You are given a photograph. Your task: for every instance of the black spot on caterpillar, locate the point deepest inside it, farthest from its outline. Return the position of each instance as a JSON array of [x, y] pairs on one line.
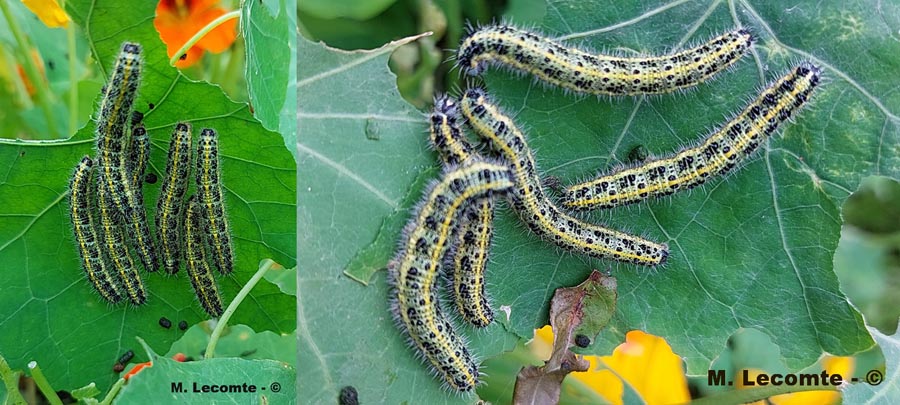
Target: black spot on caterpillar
[[170, 203], [718, 154], [127, 207], [472, 244], [415, 269], [82, 197], [210, 199], [588, 72], [197, 259], [532, 205]]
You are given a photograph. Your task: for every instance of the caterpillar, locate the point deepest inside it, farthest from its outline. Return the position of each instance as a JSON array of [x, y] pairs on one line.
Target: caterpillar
[[533, 207], [81, 194], [138, 156], [210, 199], [116, 253], [198, 263], [417, 265], [170, 203], [115, 110], [718, 154], [585, 71], [473, 241]]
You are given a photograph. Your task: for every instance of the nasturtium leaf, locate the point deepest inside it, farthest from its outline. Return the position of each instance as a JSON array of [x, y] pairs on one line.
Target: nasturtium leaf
[[218, 380], [753, 250], [48, 311], [879, 386], [269, 29], [237, 341]]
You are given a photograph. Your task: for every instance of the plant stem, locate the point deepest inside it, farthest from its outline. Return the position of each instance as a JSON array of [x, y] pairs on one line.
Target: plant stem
[[229, 81], [73, 80], [43, 384], [42, 93], [223, 320], [202, 33], [113, 392]]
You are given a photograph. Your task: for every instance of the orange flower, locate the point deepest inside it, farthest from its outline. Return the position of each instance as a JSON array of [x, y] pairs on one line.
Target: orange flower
[[29, 86], [178, 20]]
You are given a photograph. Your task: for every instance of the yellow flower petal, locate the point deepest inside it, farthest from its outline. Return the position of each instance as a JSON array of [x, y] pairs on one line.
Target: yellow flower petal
[[833, 365], [645, 361], [648, 364], [49, 11]]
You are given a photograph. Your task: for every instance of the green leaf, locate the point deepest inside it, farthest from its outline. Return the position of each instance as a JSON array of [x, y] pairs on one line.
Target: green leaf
[[751, 251], [88, 391], [169, 381], [9, 391], [285, 279], [48, 312], [351, 182], [881, 386], [355, 9], [238, 341], [268, 30]]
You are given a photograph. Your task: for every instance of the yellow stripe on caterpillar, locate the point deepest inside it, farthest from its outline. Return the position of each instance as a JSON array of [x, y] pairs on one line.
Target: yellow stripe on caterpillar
[[471, 246], [126, 203], [170, 203], [416, 268], [116, 254], [82, 192], [534, 208], [588, 72], [211, 200], [718, 154], [197, 260]]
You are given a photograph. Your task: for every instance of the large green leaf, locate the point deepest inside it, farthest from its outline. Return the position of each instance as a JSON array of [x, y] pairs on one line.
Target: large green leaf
[[213, 381], [48, 312], [269, 29], [880, 386], [751, 251]]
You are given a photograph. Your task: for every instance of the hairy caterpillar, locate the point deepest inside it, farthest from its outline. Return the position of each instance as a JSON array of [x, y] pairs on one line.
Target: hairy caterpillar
[[716, 155], [416, 267], [114, 176], [587, 72], [473, 241], [138, 153], [81, 195], [139, 156], [535, 209], [209, 189], [170, 203], [198, 263], [116, 253]]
